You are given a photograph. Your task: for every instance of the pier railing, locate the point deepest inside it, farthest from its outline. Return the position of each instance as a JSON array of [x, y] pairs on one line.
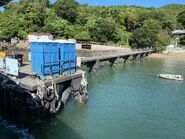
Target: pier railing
[[59, 67]]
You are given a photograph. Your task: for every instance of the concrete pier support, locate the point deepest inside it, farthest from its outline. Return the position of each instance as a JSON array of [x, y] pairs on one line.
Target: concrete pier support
[[112, 61], [126, 58], [147, 53], [93, 66], [131, 57], [138, 57], [144, 54]]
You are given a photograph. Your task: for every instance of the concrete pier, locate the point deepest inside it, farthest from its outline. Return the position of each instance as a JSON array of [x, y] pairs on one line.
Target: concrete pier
[[28, 97], [93, 63]]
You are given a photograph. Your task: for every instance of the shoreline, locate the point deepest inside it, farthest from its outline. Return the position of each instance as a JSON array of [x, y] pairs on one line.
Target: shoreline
[[173, 56]]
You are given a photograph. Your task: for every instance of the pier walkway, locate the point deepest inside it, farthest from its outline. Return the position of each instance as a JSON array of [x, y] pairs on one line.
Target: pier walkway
[[94, 62]]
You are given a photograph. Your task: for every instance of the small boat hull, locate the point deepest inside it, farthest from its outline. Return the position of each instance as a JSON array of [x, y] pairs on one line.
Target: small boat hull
[[171, 77]]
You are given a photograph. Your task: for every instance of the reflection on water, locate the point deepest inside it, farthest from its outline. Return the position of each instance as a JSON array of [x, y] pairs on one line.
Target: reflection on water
[[126, 101]]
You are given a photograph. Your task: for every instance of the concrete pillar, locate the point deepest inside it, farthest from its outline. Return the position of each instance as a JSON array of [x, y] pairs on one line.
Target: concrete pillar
[[112, 61], [138, 56], [126, 58], [93, 66], [78, 62]]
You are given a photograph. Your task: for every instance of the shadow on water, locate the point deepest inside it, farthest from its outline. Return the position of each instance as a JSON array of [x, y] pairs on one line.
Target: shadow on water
[[45, 129], [16, 108], [11, 131], [53, 128]]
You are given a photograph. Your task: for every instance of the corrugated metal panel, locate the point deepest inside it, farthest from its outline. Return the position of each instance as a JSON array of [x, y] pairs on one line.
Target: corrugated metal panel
[[46, 56], [36, 57], [51, 54]]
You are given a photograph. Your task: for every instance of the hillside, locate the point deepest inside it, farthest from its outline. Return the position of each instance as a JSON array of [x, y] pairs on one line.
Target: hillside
[[131, 26], [173, 9]]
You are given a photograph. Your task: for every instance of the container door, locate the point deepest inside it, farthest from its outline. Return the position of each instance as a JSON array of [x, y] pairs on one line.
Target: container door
[[51, 58], [36, 56]]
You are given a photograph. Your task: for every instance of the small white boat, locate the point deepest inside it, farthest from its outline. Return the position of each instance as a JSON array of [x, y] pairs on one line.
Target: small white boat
[[171, 77]]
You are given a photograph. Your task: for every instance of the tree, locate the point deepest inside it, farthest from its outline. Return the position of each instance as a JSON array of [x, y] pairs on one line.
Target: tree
[[124, 25], [91, 23], [22, 34], [83, 15], [182, 41], [181, 18], [83, 36], [67, 9], [169, 22], [131, 22], [151, 15], [146, 36], [44, 3], [163, 39], [9, 28], [70, 31], [121, 36], [103, 30], [56, 27]]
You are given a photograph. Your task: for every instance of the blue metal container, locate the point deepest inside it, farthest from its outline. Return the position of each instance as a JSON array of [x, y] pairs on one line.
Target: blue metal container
[[53, 58], [69, 58]]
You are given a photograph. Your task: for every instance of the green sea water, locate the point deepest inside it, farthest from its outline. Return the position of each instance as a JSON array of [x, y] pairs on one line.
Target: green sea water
[[126, 101]]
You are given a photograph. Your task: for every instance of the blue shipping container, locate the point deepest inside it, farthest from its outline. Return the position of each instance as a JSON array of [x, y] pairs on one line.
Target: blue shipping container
[[53, 57], [69, 58]]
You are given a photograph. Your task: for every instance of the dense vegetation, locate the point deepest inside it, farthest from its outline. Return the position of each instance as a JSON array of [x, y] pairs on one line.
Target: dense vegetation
[[124, 25]]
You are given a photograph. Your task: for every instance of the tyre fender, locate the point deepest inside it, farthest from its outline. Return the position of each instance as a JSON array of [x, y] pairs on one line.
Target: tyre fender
[[56, 105]]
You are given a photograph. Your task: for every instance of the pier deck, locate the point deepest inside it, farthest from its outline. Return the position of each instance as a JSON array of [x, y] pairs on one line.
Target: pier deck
[[108, 57], [30, 83], [94, 62]]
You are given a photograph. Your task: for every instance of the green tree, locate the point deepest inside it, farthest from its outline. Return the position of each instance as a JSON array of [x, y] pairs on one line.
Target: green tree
[[9, 28], [91, 23], [146, 36], [169, 22], [151, 15], [182, 41], [131, 21], [163, 39], [44, 3], [103, 30], [121, 36], [70, 31], [56, 27], [68, 19], [181, 18], [67, 9], [83, 36]]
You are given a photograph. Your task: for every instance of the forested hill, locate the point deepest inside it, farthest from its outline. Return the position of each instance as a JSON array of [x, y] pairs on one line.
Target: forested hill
[[124, 25], [173, 8]]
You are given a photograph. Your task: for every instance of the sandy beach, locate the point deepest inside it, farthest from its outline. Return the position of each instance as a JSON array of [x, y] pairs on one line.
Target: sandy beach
[[174, 56]]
